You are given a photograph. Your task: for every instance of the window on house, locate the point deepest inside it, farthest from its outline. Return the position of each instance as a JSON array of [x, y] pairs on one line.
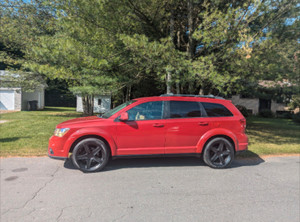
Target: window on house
[[99, 102]]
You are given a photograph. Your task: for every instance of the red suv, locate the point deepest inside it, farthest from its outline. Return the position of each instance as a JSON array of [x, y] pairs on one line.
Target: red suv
[[168, 124]]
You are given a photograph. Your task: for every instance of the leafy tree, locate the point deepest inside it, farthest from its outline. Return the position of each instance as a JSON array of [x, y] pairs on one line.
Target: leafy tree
[[185, 46], [20, 26]]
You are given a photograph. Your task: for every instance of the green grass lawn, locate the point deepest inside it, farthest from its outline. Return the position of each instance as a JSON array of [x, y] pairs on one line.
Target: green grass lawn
[[27, 133], [268, 136]]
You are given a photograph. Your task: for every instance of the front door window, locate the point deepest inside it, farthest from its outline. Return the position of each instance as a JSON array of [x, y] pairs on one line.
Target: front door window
[[146, 111]]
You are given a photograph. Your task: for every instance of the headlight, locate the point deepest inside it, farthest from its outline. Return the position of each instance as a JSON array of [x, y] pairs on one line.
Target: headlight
[[60, 131]]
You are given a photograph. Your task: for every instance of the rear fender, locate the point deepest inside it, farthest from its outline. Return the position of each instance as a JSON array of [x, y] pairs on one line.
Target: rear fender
[[215, 132], [91, 132]]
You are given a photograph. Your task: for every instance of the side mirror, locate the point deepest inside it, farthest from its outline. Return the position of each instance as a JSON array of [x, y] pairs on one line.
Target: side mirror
[[124, 117]]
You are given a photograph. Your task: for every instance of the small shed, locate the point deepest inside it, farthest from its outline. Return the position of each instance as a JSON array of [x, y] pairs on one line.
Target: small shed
[[102, 103], [17, 99]]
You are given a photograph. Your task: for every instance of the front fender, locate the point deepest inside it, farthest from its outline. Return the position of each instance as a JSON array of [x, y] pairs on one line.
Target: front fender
[[91, 131], [215, 132]]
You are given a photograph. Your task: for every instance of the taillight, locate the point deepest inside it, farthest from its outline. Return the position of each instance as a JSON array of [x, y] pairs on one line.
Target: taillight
[[243, 124]]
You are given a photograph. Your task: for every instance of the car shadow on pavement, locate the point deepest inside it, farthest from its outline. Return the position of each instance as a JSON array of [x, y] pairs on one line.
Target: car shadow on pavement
[[240, 161]]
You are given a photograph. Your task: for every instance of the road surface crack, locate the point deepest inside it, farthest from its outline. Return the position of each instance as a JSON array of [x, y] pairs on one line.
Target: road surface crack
[[61, 213], [35, 193], [39, 190]]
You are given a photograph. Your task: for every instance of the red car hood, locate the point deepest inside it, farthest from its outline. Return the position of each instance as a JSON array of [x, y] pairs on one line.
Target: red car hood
[[87, 119]]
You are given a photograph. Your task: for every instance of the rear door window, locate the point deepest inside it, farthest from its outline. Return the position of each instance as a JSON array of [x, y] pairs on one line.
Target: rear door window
[[184, 109], [216, 110]]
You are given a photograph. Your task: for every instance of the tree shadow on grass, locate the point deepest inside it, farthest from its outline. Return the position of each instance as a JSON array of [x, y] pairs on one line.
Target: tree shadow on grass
[[251, 159], [11, 139], [268, 136], [65, 114], [59, 109]]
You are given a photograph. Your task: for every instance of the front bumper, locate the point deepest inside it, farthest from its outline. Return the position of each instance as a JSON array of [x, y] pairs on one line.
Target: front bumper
[[56, 148], [58, 157]]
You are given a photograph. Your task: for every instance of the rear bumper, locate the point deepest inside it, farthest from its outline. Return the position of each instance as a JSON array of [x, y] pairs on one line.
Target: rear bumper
[[242, 142]]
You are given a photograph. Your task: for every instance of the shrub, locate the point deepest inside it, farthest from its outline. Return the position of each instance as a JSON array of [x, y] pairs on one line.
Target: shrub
[[243, 110], [296, 117], [266, 113], [284, 114]]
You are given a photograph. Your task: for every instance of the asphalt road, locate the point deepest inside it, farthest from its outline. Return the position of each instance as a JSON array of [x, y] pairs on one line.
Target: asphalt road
[[171, 189]]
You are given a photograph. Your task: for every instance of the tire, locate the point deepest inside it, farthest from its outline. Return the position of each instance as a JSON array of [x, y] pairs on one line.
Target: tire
[[218, 153], [90, 155]]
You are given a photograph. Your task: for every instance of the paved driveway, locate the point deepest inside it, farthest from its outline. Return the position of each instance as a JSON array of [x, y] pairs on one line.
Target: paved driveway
[[172, 189]]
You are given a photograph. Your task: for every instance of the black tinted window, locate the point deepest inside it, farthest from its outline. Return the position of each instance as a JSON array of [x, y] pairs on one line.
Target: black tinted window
[[146, 111], [214, 109], [184, 109]]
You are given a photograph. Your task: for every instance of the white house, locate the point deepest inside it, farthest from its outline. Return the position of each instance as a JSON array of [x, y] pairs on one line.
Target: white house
[[17, 99], [255, 105], [101, 103]]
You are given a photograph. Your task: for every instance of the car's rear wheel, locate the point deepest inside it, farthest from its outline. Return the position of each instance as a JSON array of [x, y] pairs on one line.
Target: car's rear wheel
[[90, 155], [218, 153]]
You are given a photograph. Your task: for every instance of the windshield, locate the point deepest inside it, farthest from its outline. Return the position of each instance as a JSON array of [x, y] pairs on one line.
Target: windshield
[[116, 109]]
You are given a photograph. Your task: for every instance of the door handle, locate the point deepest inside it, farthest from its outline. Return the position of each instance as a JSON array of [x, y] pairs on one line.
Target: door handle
[[158, 125], [203, 123]]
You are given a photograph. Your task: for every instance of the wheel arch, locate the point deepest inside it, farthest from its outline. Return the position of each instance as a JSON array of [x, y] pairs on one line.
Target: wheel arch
[[89, 136], [223, 136], [80, 135], [216, 133]]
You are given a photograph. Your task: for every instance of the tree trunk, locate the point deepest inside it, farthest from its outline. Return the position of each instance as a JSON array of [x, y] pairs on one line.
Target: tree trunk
[[177, 88], [191, 87], [128, 93], [190, 45], [88, 105], [169, 74], [178, 75], [201, 92], [169, 79]]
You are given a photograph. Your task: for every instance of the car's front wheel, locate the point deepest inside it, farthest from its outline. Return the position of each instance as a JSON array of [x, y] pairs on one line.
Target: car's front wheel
[[218, 153], [90, 155]]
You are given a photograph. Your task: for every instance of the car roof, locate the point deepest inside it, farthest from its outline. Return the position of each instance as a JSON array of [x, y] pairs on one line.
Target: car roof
[[184, 98]]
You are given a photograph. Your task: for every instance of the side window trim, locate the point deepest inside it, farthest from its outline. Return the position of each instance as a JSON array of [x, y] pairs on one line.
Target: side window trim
[[203, 111], [166, 110]]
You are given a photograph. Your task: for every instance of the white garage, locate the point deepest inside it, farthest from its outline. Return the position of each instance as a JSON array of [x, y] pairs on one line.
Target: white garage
[[7, 100], [17, 99]]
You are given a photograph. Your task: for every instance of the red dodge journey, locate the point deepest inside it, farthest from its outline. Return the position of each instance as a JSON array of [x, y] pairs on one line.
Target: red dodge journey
[[205, 126]]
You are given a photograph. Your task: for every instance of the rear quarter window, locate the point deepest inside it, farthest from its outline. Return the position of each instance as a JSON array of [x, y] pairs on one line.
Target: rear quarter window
[[216, 110], [184, 109]]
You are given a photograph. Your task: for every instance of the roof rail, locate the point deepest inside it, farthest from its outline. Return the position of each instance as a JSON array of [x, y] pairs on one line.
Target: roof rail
[[190, 95]]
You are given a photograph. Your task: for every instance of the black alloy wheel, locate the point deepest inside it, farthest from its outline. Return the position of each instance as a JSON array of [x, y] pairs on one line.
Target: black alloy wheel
[[218, 153], [90, 155]]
